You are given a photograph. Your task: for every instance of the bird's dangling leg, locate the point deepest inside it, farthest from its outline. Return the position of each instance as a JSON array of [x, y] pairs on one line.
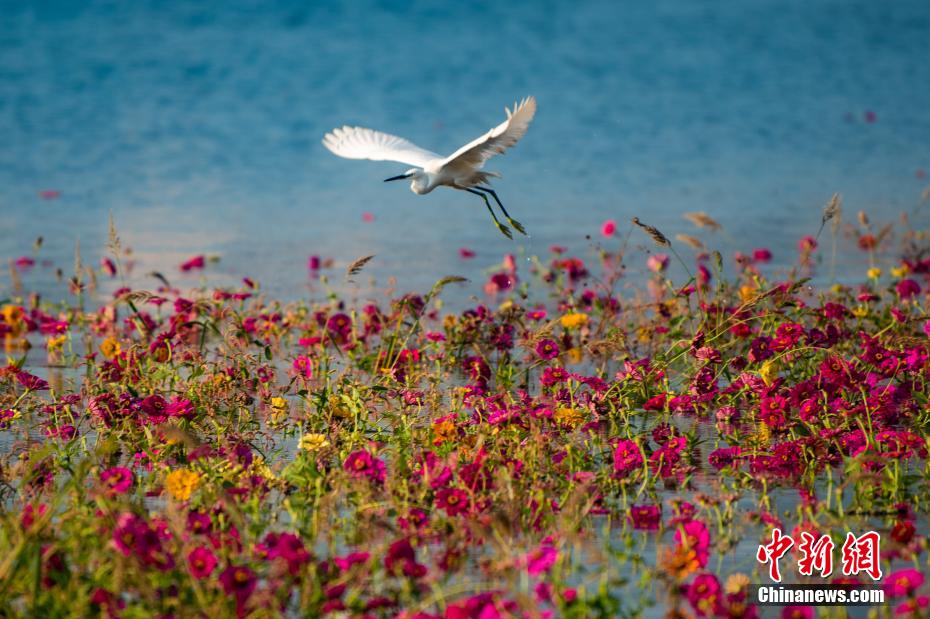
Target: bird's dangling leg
[[504, 229], [513, 222]]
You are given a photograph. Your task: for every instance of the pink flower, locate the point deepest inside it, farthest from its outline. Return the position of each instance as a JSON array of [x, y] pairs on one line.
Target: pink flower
[[202, 562], [313, 263], [368, 217], [541, 560], [657, 262], [608, 228], [465, 253], [761, 255], [117, 480], [807, 244], [903, 582]]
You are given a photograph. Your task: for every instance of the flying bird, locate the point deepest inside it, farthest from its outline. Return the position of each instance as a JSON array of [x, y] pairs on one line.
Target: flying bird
[[461, 170]]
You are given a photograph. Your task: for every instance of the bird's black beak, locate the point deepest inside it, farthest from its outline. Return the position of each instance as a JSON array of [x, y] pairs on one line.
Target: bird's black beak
[[397, 178]]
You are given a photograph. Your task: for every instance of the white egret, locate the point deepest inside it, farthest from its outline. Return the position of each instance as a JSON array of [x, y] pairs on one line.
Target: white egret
[[461, 170]]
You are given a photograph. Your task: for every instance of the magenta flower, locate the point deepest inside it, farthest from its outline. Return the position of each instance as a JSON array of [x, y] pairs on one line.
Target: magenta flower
[[453, 500], [353, 558], [705, 595], [197, 262], [547, 349], [912, 607], [541, 559], [761, 255], [201, 561], [339, 324], [903, 582], [608, 228], [645, 517], [180, 407], [694, 535], [362, 464], [303, 366], [31, 381], [117, 480], [907, 288], [239, 582], [627, 458], [797, 612]]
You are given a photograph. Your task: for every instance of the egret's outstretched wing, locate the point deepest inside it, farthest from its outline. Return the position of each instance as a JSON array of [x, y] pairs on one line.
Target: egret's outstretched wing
[[473, 155], [361, 143]]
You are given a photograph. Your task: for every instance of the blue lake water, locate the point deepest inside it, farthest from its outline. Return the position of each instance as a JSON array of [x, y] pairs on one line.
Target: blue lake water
[[199, 128]]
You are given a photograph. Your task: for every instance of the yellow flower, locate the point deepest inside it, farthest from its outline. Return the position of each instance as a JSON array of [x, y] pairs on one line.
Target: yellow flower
[[736, 583], [900, 271], [181, 483], [875, 273], [449, 321], [13, 317], [220, 378], [279, 408], [341, 409], [768, 372], [860, 311], [573, 320], [313, 442], [12, 314], [506, 305], [110, 347], [567, 416], [574, 355], [443, 431], [763, 435], [56, 342], [747, 293]]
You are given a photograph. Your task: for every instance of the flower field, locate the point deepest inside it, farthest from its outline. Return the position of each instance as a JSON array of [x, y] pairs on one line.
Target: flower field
[[607, 434]]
